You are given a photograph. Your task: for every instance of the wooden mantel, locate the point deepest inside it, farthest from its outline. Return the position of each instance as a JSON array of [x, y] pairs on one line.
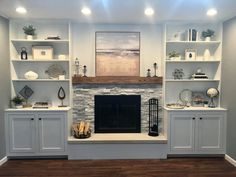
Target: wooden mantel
[[116, 80]]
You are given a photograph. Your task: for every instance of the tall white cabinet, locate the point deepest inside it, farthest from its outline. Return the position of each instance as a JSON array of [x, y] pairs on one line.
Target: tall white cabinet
[[194, 130], [39, 132]]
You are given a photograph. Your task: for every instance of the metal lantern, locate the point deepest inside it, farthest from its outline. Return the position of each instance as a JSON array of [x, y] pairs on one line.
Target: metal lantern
[[153, 117]]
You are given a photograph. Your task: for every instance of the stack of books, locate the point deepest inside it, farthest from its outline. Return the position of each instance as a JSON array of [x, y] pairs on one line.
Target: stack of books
[[192, 35], [199, 76]]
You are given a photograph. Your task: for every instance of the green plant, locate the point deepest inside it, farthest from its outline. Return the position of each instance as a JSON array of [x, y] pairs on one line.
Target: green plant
[[173, 54], [17, 100], [208, 33], [29, 30]]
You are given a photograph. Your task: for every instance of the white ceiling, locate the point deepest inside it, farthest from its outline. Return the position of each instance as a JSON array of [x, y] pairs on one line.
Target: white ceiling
[[120, 11]]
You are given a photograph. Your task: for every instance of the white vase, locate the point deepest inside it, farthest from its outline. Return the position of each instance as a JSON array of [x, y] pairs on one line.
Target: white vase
[[207, 54], [208, 39], [29, 37]]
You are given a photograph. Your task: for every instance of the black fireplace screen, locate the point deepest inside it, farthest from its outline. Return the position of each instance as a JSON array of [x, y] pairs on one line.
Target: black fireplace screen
[[117, 114]]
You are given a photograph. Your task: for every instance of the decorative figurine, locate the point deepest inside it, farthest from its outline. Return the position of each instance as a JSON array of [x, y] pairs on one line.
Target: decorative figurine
[[85, 70], [148, 73], [212, 93], [23, 54], [61, 95], [155, 69], [77, 66]]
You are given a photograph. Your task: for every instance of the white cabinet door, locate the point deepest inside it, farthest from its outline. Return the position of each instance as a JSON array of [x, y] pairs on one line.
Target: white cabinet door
[[210, 133], [21, 129], [51, 132], [182, 132]]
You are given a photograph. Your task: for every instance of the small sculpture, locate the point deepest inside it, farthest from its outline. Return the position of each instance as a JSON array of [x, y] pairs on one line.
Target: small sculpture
[[31, 75], [61, 95], [26, 93], [178, 74], [77, 66]]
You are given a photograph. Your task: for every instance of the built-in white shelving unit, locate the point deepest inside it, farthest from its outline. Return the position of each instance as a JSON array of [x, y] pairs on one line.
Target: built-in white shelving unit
[[177, 39], [45, 88]]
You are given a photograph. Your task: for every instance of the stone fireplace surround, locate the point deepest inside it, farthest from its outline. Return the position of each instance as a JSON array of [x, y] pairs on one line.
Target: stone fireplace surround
[[117, 145], [83, 100]]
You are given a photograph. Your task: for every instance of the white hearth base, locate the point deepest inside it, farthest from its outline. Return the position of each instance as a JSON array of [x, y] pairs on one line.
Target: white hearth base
[[118, 146]]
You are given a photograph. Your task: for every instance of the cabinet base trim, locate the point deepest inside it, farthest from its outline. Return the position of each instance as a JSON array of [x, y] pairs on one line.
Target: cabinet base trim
[[3, 160], [230, 160]]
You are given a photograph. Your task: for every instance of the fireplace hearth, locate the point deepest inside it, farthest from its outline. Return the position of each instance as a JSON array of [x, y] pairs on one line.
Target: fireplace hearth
[[117, 113]]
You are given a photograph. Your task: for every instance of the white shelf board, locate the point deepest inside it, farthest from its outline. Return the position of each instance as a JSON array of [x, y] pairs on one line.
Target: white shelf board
[[40, 40], [193, 61], [193, 42], [196, 109], [40, 60], [191, 80], [40, 109], [40, 80]]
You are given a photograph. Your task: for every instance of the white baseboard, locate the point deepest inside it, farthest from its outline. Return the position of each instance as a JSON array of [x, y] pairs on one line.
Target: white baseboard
[[230, 160], [3, 160]]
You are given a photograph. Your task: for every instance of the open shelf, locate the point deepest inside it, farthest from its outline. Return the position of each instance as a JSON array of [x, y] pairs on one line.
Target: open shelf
[[40, 60], [192, 80], [40, 40], [40, 80], [192, 61], [193, 42]]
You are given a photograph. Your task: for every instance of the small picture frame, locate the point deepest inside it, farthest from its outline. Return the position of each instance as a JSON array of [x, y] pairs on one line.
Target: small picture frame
[[190, 54], [198, 99]]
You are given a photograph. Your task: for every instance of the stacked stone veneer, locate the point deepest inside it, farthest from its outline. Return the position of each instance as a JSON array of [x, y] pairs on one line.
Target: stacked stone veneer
[[83, 100]]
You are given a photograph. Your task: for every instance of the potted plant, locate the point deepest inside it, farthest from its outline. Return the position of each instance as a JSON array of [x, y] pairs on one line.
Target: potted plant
[[208, 34], [29, 31], [174, 55], [17, 100]]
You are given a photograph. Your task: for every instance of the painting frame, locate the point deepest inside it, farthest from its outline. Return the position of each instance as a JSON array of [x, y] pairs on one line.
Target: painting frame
[[117, 53]]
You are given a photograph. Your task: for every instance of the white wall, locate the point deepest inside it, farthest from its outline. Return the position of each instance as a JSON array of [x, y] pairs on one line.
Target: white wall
[[229, 83], [151, 44], [4, 78]]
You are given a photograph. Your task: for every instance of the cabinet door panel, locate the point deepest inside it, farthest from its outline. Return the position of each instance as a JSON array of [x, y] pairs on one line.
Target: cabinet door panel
[[22, 133], [51, 132], [182, 133], [210, 132]]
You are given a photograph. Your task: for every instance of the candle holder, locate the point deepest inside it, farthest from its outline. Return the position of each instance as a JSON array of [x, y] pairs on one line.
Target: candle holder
[[148, 73], [85, 70], [155, 69]]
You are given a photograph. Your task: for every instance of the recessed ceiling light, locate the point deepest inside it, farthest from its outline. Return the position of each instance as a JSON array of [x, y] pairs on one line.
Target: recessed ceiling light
[[212, 12], [86, 11], [21, 10], [149, 11]]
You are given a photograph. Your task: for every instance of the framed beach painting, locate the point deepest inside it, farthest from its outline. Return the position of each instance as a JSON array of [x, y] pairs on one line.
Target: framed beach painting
[[117, 53]]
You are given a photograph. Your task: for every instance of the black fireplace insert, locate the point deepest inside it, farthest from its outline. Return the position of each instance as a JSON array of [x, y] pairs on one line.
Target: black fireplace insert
[[117, 113]]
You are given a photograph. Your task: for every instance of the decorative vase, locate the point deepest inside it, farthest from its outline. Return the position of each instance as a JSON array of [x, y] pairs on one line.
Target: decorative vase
[[207, 54], [29, 37], [208, 39]]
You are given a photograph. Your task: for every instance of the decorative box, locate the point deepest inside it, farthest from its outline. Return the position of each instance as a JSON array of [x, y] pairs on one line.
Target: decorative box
[[42, 52]]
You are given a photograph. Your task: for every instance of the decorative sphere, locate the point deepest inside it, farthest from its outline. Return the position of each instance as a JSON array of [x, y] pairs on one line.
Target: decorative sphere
[[212, 92]]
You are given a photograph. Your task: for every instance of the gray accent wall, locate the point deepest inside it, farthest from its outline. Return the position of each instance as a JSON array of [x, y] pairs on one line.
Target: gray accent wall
[[229, 83], [4, 79]]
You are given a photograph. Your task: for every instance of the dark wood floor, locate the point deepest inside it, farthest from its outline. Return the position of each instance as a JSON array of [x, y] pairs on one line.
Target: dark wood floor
[[172, 167]]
